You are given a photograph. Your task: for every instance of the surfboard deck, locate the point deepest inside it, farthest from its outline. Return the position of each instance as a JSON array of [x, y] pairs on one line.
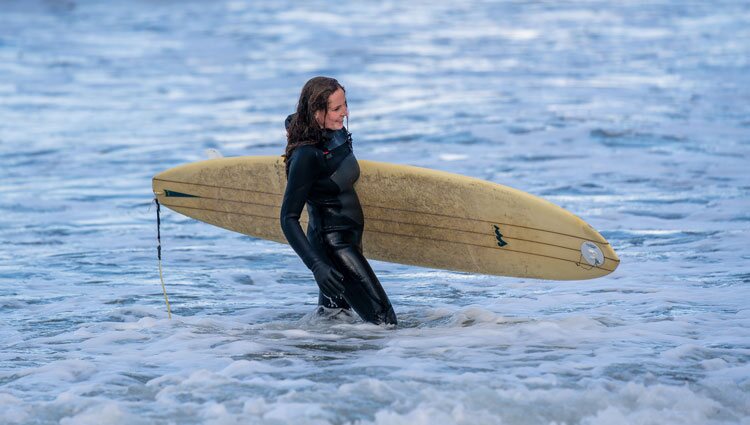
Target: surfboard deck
[[413, 216]]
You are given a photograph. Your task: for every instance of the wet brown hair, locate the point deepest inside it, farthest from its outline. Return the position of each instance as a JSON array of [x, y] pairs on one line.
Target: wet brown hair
[[304, 129]]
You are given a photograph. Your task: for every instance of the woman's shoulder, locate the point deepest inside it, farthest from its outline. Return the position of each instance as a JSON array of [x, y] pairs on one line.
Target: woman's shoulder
[[307, 150], [306, 154]]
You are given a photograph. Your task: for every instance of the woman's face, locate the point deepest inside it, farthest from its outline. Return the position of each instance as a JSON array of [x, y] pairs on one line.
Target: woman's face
[[337, 110]]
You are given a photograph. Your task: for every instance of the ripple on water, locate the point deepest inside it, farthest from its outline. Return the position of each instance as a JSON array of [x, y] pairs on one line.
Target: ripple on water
[[634, 139], [655, 214]]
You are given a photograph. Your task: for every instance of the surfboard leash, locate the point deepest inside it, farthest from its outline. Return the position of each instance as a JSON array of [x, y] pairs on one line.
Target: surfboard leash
[[158, 254]]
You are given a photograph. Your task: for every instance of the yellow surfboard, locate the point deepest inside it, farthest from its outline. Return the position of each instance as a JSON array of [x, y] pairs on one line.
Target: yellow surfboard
[[413, 216]]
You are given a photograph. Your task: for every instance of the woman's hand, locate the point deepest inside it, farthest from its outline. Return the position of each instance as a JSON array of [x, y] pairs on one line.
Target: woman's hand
[[330, 281]]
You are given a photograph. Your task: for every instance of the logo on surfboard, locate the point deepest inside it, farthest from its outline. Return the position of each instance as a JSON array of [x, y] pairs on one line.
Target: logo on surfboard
[[174, 194], [499, 236]]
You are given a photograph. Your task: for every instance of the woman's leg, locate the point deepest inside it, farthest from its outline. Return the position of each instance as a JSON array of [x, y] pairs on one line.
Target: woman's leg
[[362, 288], [323, 299]]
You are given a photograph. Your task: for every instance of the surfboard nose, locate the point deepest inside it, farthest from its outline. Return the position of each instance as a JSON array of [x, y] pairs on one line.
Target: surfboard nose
[[596, 253], [611, 257], [600, 254]]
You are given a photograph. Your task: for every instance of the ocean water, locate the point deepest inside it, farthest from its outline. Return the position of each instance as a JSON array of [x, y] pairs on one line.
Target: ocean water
[[633, 115]]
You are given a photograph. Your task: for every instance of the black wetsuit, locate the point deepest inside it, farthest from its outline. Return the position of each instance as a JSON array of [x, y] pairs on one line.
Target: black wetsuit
[[323, 178]]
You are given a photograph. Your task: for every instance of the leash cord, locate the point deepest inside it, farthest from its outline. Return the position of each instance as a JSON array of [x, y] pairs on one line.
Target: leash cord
[[158, 253]]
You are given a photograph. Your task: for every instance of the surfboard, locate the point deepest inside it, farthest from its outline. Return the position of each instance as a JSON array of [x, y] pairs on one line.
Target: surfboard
[[413, 216]]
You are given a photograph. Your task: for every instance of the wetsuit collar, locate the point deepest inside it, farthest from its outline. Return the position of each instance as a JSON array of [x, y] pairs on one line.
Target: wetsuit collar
[[335, 138]]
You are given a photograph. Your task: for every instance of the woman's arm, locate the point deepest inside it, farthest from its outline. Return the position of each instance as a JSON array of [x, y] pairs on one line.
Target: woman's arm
[[303, 171]]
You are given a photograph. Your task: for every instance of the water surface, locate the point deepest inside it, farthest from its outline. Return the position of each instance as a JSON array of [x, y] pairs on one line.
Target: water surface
[[633, 116]]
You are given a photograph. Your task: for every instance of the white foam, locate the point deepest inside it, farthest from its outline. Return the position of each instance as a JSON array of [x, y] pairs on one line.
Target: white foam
[[453, 157], [618, 404], [14, 411], [109, 413]]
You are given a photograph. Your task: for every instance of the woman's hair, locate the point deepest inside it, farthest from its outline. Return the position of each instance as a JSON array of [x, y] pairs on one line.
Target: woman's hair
[[303, 128]]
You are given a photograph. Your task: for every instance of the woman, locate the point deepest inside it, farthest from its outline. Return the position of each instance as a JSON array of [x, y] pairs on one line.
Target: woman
[[321, 171]]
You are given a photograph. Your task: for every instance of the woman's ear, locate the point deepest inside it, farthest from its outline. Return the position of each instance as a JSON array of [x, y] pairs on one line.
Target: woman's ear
[[319, 118]]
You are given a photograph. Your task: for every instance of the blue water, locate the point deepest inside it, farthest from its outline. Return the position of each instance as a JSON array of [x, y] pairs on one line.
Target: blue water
[[633, 115]]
